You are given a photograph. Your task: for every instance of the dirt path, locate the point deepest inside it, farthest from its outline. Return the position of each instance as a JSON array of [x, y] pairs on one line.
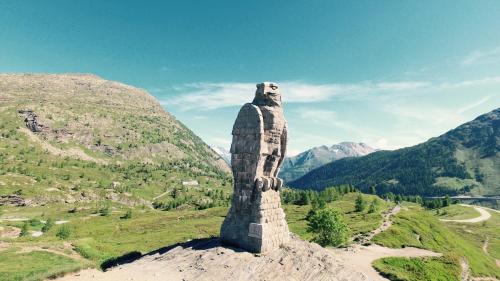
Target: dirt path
[[66, 251], [485, 245], [485, 250], [485, 215], [362, 257], [386, 223], [161, 195], [466, 276]]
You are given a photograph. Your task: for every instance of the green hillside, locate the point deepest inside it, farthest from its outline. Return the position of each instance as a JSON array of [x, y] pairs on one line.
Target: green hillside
[[465, 160], [80, 138]]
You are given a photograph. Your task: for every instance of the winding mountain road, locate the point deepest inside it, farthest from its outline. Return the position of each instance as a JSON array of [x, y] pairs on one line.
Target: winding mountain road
[[484, 215]]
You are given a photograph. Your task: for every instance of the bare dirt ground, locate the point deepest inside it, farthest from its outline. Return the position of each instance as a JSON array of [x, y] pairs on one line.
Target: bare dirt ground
[[207, 260], [9, 232]]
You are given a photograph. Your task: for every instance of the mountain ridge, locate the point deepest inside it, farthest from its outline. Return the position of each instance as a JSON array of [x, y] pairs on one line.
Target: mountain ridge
[[464, 160], [297, 166]]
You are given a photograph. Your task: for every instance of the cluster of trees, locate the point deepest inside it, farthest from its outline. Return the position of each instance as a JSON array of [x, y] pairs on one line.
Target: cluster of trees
[[306, 197], [435, 203], [438, 203], [179, 197], [399, 198], [173, 203], [361, 204], [36, 223]]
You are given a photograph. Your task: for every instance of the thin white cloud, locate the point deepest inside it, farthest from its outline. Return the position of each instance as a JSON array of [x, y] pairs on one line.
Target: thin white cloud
[[221, 142], [209, 96], [487, 81], [317, 115], [165, 69], [473, 105], [483, 56], [430, 114], [407, 108]]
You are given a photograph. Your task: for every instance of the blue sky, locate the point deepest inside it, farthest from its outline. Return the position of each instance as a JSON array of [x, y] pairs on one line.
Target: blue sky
[[388, 73]]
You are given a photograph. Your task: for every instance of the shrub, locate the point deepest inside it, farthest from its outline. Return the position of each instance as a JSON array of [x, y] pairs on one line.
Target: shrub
[[48, 225], [64, 232], [373, 206], [104, 211], [24, 230], [35, 222], [128, 215], [360, 203], [328, 227]]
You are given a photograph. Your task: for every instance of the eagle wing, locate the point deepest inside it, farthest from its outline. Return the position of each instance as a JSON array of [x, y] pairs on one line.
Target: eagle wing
[[283, 141], [246, 148]]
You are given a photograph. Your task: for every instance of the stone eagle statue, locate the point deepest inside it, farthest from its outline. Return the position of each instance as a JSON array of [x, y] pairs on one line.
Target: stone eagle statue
[[256, 221]]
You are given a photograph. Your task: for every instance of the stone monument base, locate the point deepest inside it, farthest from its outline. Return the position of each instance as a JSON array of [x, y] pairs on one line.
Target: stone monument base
[[258, 229]]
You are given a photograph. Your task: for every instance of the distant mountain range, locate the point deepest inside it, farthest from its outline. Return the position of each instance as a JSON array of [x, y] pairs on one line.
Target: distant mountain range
[[465, 160], [299, 165], [224, 153]]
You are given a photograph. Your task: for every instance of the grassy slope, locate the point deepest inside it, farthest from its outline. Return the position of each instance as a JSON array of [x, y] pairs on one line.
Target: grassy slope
[[478, 233], [358, 222], [37, 265], [457, 212], [419, 269], [132, 149], [418, 228]]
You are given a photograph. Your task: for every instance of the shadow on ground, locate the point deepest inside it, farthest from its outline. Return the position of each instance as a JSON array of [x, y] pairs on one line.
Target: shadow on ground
[[196, 244]]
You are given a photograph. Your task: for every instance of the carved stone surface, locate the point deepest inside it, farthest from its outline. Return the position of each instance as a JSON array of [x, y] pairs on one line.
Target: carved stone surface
[[256, 222]]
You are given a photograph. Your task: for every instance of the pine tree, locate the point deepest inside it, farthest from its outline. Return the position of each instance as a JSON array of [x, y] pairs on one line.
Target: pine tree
[[360, 203]]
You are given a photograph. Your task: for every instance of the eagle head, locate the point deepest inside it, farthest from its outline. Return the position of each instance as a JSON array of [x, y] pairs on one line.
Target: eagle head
[[267, 93]]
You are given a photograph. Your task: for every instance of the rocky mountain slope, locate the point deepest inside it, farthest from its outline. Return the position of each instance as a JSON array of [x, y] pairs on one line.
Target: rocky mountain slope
[[465, 160], [299, 165], [79, 137]]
